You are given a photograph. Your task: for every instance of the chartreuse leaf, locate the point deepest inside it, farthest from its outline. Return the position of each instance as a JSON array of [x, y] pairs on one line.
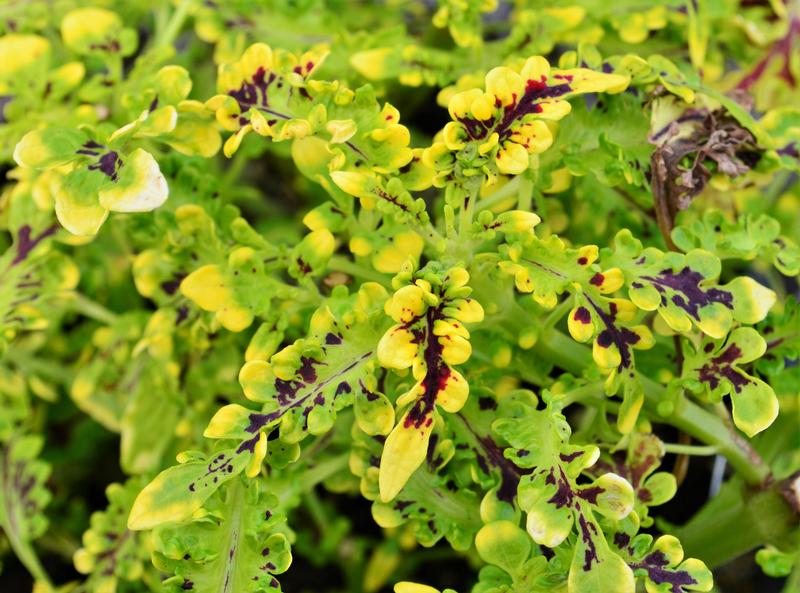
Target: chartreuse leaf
[[430, 505], [430, 337], [301, 388], [556, 505], [23, 496], [547, 268], [775, 563], [714, 369], [644, 454], [497, 130], [35, 277], [747, 237], [109, 551], [236, 545], [662, 567], [180, 491], [97, 31], [47, 148], [148, 423], [95, 179], [503, 544], [684, 289]]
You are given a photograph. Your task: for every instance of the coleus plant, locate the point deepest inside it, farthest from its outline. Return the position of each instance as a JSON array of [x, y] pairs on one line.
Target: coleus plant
[[489, 324]]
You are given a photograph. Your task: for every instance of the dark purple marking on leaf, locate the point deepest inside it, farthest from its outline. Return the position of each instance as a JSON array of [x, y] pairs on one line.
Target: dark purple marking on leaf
[[587, 529], [582, 315], [535, 92], [303, 266], [401, 505], [591, 493], [4, 100], [370, 395], [288, 400], [721, 366], [187, 585], [569, 457], [306, 370], [621, 337], [274, 583], [431, 449], [436, 377], [171, 286], [510, 473], [621, 540], [487, 403], [183, 313], [343, 387], [254, 94], [597, 279], [564, 495], [547, 269], [26, 244], [108, 165], [153, 104], [691, 297], [332, 339], [220, 464], [523, 452], [657, 568]]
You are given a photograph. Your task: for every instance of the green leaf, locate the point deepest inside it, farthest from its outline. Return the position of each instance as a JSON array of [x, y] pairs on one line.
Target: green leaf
[[23, 496], [51, 147], [503, 544], [236, 546], [715, 368], [179, 491]]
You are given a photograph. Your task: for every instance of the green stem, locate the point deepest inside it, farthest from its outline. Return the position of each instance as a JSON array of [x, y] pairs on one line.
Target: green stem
[[89, 308], [174, 25], [31, 365], [562, 351], [679, 449], [342, 264], [558, 312], [508, 190], [467, 211], [736, 521], [582, 393], [322, 471]]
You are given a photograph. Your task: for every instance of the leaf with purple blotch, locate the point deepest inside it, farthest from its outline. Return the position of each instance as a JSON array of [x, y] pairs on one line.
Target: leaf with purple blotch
[[715, 369], [644, 455], [684, 288], [23, 495], [664, 570], [303, 386], [557, 505], [235, 545], [181, 490]]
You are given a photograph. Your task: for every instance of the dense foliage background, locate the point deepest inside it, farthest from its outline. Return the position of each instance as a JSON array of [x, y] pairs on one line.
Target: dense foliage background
[[238, 255]]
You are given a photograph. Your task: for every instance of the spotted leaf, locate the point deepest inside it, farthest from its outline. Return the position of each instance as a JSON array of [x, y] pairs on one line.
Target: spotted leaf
[[237, 544], [715, 368]]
